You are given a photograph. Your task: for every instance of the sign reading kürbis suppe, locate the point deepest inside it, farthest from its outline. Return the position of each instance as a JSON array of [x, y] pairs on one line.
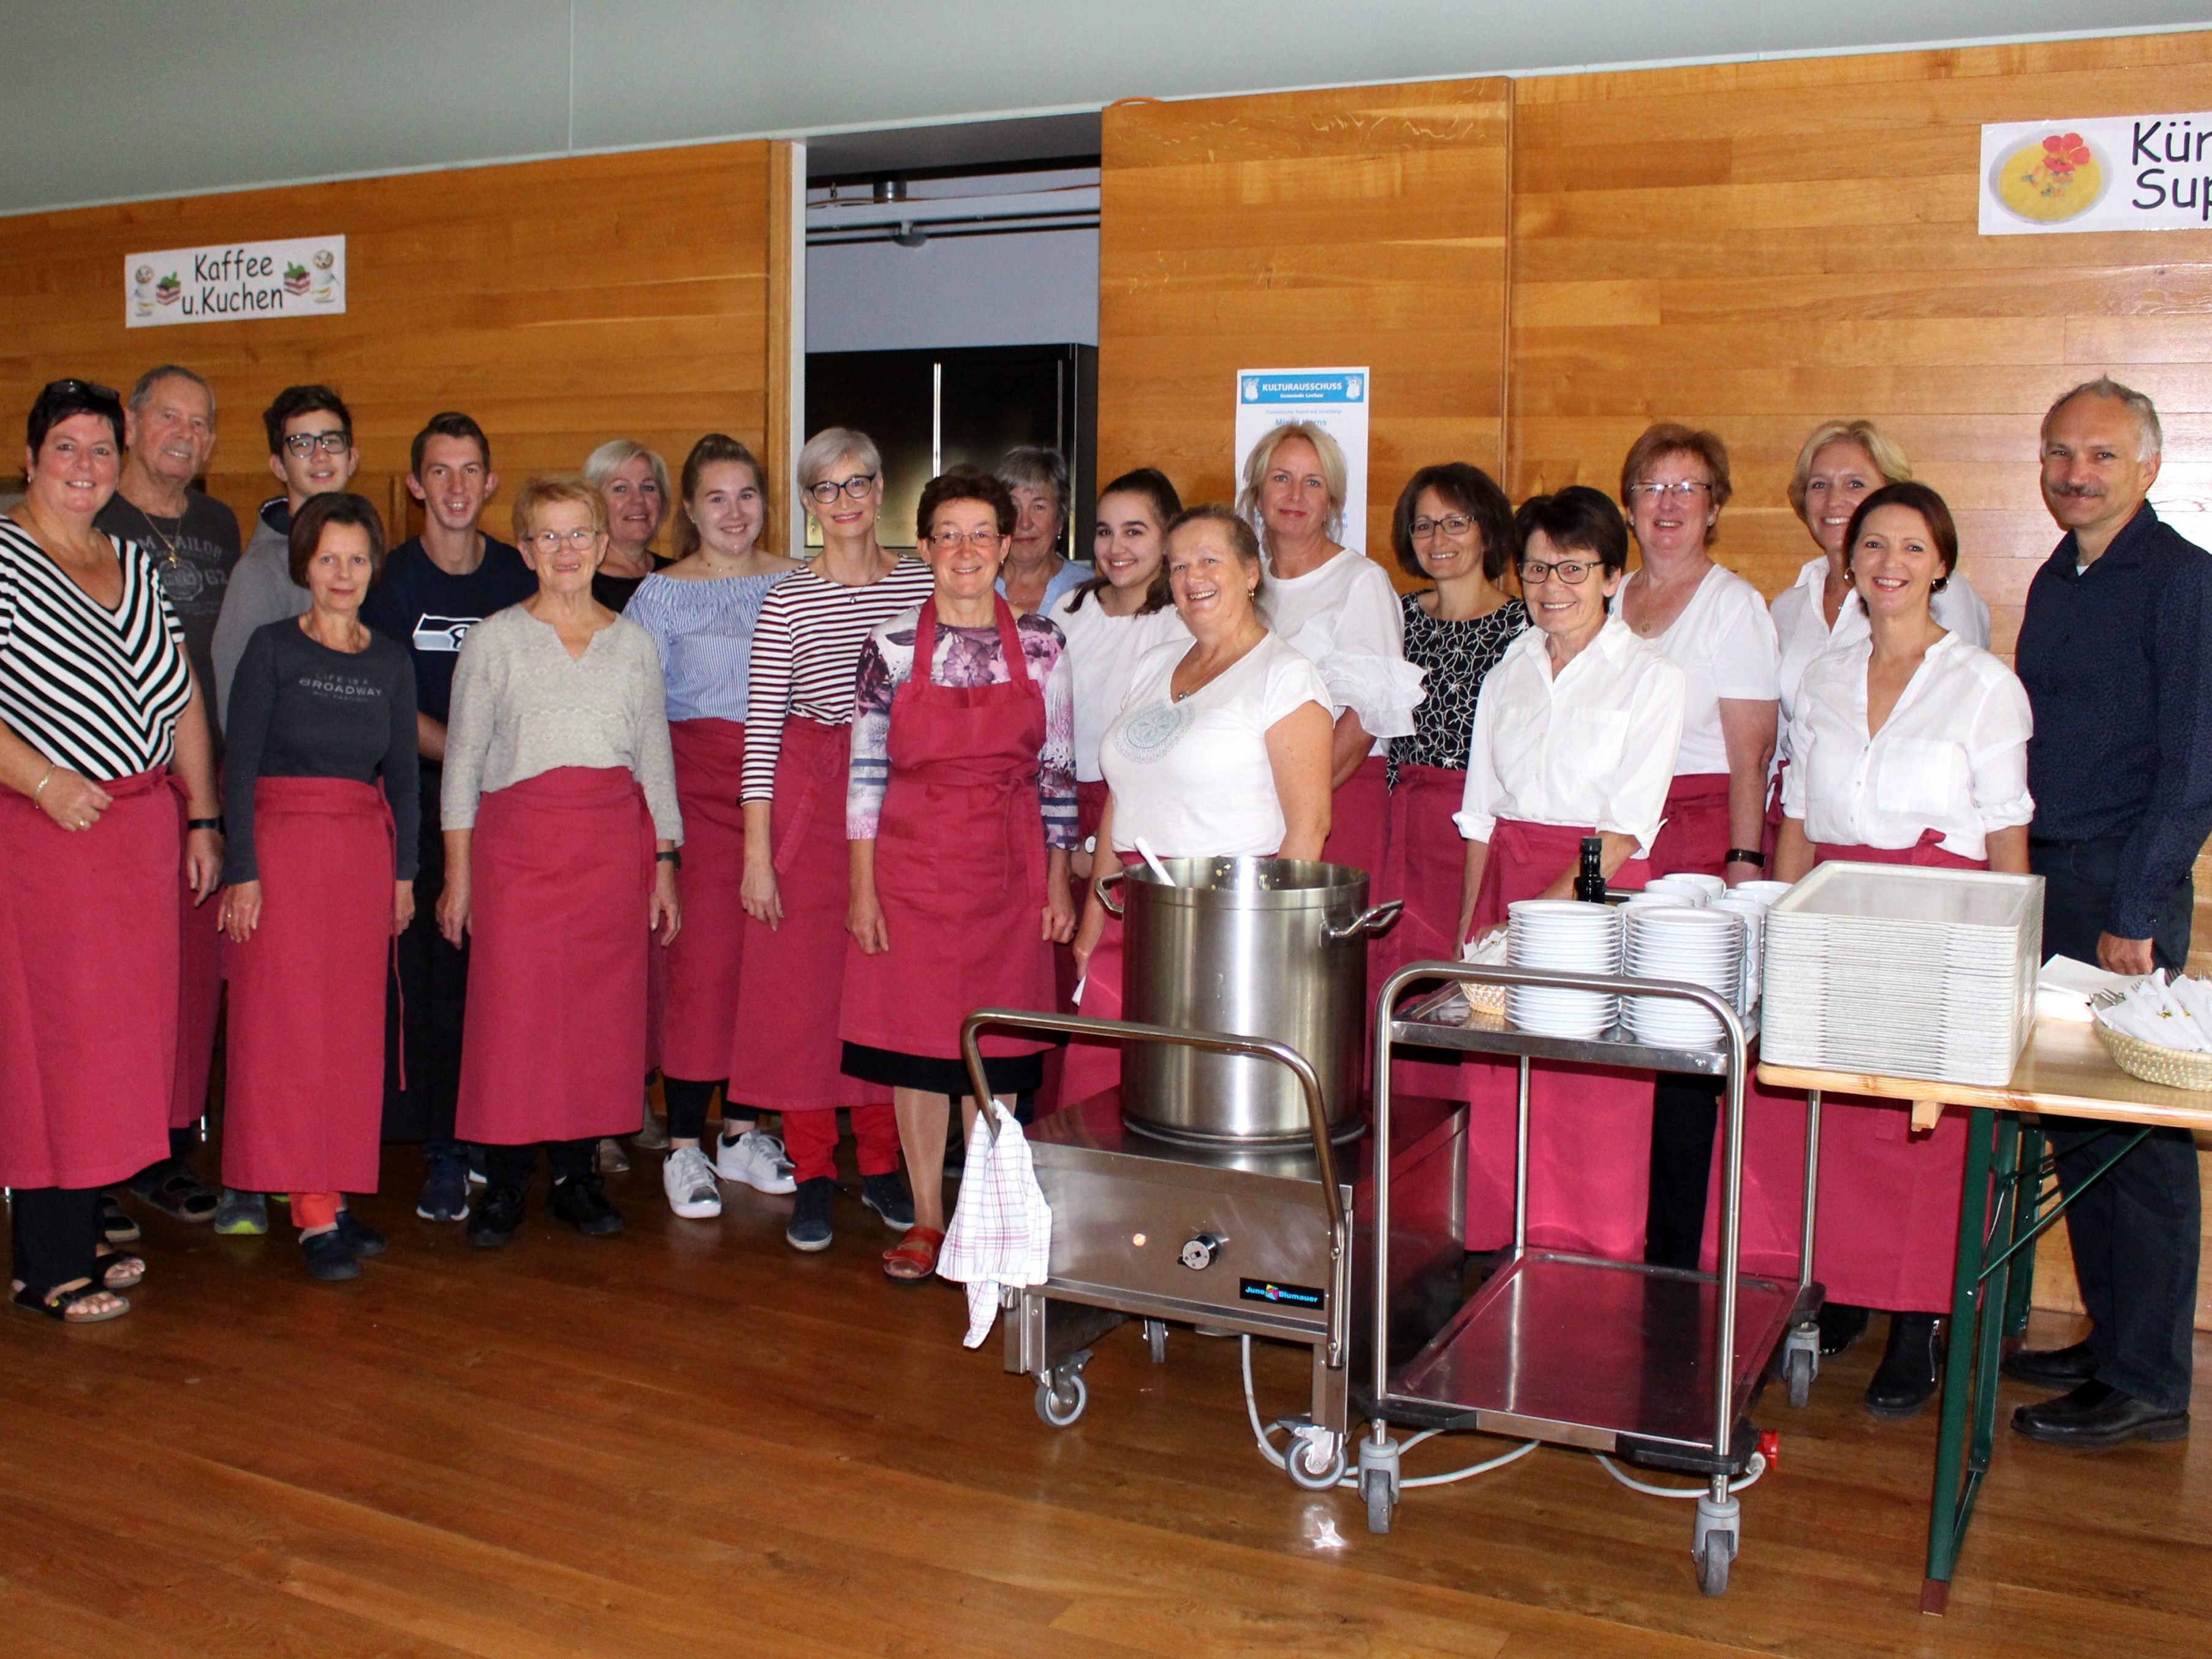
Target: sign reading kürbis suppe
[[235, 281], [2110, 173]]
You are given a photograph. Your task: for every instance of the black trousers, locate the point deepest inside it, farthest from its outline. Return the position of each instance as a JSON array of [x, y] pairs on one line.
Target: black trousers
[[514, 1166], [55, 1233], [2134, 1234], [1685, 1112], [430, 1003]]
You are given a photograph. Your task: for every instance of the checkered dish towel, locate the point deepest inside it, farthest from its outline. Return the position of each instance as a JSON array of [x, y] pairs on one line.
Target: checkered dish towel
[[1001, 1230]]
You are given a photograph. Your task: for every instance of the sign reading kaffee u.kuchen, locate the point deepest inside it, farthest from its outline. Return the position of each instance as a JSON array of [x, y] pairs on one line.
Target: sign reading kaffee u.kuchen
[[2110, 173], [235, 281]]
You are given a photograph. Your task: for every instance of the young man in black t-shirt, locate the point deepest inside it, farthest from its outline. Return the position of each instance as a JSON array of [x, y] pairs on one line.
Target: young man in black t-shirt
[[435, 587]]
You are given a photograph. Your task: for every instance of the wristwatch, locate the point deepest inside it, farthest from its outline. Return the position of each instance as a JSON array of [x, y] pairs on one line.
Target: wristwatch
[[1749, 856], [671, 857], [215, 824]]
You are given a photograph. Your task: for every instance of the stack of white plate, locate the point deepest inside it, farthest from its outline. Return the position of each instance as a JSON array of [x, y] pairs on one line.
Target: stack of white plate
[[1753, 910], [1702, 945], [1567, 936]]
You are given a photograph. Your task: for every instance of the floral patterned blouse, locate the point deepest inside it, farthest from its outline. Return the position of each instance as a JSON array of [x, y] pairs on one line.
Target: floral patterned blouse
[[1457, 656]]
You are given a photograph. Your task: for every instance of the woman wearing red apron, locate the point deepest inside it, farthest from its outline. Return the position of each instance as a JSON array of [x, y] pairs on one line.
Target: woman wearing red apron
[[1338, 607], [558, 780], [1221, 751], [321, 712], [1575, 735], [700, 612], [798, 880], [961, 815], [100, 718], [1911, 747], [1713, 625]]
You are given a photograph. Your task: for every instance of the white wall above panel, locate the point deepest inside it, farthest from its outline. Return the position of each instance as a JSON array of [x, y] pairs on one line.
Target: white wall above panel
[[1033, 288]]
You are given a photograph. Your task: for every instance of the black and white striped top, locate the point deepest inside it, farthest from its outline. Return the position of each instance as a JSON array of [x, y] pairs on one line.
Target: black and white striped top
[[94, 690], [806, 656]]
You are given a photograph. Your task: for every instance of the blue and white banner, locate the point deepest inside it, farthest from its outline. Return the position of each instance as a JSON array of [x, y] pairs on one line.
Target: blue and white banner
[[1333, 399], [235, 281]]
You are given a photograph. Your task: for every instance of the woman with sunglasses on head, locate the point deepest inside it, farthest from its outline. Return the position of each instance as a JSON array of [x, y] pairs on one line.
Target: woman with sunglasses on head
[[798, 728], [1575, 735], [633, 481], [101, 716]]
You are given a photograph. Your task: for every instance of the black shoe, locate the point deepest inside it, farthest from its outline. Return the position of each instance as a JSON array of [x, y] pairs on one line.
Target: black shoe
[[2052, 1368], [810, 1229], [886, 1194], [1841, 1325], [445, 1187], [2096, 1414], [498, 1215], [116, 1225], [327, 1256], [1905, 1379], [581, 1201], [360, 1237]]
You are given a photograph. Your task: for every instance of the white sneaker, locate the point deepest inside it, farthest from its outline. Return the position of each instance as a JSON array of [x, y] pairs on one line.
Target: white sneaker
[[755, 1158], [689, 1180]]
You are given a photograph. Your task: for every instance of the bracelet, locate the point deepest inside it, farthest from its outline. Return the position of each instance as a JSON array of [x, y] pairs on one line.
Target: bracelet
[[215, 824], [1745, 856], [44, 781], [671, 857]]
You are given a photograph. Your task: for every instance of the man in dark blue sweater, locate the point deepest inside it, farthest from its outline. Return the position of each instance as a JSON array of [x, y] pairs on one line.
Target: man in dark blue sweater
[[2115, 652]]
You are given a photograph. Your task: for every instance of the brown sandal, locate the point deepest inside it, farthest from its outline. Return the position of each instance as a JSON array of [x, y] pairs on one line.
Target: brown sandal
[[914, 1258]]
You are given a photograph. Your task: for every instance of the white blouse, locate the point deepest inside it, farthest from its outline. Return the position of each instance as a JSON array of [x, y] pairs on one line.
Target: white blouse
[[1723, 643], [1103, 651], [1344, 616], [1952, 756], [1803, 635], [1193, 777], [1592, 746]]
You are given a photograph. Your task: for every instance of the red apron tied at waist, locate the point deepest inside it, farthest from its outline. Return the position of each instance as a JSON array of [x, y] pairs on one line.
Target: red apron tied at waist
[[1359, 818], [1695, 835], [699, 1009]]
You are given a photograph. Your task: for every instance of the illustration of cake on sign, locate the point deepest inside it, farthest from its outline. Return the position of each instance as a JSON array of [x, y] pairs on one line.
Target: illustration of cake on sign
[[2051, 180], [326, 280], [295, 278]]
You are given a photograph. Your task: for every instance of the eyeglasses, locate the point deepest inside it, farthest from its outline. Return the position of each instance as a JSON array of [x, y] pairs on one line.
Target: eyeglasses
[[855, 487], [1573, 571], [1680, 491], [950, 539], [549, 541], [330, 443], [92, 389], [1452, 523]]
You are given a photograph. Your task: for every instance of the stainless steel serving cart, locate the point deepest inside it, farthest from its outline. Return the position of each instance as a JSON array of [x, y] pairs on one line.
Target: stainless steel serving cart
[[1657, 1365]]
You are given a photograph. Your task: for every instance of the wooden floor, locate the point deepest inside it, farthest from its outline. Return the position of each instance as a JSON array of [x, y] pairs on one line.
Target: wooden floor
[[691, 1441]]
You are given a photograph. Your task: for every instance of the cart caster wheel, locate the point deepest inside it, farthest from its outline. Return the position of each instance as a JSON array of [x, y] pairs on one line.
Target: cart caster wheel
[[1316, 1460], [1374, 1487], [1797, 1371], [1156, 1340], [1061, 1401], [1714, 1558]]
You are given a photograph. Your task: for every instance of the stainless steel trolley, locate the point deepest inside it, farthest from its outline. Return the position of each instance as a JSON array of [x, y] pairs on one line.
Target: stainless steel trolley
[[1657, 1364]]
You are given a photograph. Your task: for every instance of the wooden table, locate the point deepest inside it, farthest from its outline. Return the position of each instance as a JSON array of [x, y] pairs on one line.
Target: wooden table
[[2004, 1208]]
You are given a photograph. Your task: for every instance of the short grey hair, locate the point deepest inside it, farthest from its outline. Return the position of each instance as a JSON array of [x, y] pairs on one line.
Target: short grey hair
[[611, 457], [2153, 443], [833, 444], [1032, 466], [142, 389]]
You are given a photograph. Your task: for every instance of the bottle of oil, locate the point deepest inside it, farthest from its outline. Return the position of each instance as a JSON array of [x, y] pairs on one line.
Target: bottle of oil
[[1589, 885]]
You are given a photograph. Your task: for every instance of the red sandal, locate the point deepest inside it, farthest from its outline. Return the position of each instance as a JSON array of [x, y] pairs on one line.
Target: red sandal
[[914, 1258]]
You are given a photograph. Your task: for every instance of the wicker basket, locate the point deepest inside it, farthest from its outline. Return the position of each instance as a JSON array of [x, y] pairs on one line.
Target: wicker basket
[[2174, 1069]]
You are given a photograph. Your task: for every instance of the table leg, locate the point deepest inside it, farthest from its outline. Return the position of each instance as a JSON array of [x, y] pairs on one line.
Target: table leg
[[1943, 1509], [1993, 1305], [2027, 1202]]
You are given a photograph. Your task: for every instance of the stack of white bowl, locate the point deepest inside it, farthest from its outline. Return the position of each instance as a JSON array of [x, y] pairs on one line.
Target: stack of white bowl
[[1566, 936], [1753, 909], [1700, 945]]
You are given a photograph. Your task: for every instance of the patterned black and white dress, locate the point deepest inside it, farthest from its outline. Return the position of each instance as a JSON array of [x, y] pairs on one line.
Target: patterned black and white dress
[[1456, 657]]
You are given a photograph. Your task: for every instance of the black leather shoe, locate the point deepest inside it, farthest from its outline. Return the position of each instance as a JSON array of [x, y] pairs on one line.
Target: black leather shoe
[[327, 1256], [1841, 1325], [1905, 1379], [497, 1217], [2050, 1368], [2096, 1414], [581, 1201], [360, 1237]]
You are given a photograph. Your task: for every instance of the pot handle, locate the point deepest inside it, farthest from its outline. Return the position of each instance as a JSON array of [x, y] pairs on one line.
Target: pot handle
[[1366, 925], [1100, 884]]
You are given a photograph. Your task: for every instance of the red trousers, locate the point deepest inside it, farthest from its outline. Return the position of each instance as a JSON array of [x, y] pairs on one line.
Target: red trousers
[[810, 1138]]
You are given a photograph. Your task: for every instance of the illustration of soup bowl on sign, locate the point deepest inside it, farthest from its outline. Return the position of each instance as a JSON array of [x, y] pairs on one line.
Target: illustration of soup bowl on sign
[[2051, 180]]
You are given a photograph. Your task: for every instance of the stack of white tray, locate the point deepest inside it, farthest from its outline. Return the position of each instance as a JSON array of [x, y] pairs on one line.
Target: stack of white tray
[[1903, 971]]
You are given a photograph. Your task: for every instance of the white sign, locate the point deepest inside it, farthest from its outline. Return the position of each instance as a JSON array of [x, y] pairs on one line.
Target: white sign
[[2112, 172], [235, 281], [1333, 399]]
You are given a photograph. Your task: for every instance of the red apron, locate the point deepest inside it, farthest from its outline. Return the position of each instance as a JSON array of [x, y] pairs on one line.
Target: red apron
[[1424, 863], [785, 1047], [199, 995], [1888, 1221], [1695, 836], [1089, 1068], [699, 1012], [553, 1047], [89, 970], [960, 862], [303, 1087], [1589, 1127], [1359, 818], [1089, 805]]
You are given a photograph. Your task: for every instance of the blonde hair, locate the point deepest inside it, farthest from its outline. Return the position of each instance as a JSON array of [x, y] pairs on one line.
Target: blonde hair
[[1333, 469], [541, 493], [1881, 449], [611, 457]]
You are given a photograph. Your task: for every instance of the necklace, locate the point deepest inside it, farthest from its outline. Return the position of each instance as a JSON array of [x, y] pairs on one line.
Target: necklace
[[1213, 674], [171, 546]]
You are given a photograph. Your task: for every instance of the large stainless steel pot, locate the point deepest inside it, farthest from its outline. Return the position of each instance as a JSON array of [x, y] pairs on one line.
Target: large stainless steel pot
[[1260, 947]]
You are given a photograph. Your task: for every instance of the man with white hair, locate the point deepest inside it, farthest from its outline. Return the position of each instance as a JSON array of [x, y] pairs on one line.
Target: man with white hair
[[2115, 652]]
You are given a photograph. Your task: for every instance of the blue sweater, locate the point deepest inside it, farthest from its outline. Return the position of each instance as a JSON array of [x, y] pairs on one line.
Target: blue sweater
[[2117, 664]]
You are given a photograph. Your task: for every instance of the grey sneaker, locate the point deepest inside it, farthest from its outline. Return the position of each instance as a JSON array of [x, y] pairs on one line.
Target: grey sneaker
[[689, 1180], [611, 1159], [242, 1215], [755, 1158], [654, 1137]]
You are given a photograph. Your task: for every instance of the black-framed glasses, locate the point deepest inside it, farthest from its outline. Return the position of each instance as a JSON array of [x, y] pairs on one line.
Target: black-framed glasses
[[1452, 523], [1573, 572], [330, 443], [856, 487], [73, 388]]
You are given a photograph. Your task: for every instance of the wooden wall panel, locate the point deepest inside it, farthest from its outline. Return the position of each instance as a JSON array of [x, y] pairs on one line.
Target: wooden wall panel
[[1757, 247], [562, 303], [1361, 226]]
